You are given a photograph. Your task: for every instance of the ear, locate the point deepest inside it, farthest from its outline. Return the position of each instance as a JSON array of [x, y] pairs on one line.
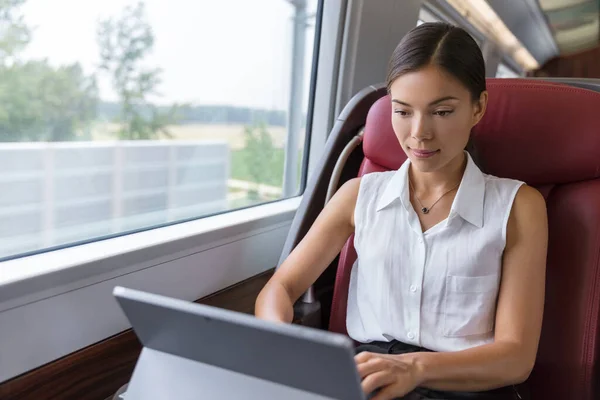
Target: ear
[[479, 107]]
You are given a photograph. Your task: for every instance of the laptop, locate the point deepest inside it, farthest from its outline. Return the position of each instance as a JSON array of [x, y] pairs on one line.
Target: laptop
[[194, 351]]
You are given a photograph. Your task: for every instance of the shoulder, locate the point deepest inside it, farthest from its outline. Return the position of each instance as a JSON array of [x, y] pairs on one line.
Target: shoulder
[[373, 185], [502, 191], [530, 198], [495, 181], [379, 176], [358, 192], [341, 206], [368, 182], [375, 179], [351, 187], [348, 192], [522, 197], [529, 203], [528, 215], [524, 207]]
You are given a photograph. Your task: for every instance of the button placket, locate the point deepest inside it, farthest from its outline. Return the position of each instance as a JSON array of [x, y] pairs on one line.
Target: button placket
[[414, 329]]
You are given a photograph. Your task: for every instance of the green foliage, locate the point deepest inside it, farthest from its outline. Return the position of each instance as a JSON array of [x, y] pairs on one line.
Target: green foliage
[[124, 44], [259, 156], [15, 35], [259, 152], [39, 102], [260, 162], [240, 160]]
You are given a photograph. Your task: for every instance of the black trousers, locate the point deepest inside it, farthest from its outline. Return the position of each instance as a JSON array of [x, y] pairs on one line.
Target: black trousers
[[396, 347]]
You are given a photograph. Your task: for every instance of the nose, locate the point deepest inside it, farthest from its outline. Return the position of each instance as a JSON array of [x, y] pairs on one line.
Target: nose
[[420, 129]]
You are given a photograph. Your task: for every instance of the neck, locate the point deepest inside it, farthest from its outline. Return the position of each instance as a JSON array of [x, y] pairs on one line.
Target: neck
[[441, 180]]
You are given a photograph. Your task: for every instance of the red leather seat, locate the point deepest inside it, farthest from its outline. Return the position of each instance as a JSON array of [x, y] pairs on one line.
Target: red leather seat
[[547, 135]]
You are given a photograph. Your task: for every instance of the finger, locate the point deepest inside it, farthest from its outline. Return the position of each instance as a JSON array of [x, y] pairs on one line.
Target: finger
[[390, 392], [366, 356], [363, 357], [371, 366], [377, 380]]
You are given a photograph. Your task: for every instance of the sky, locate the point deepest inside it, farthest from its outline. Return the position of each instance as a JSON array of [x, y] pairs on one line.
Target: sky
[[234, 52]]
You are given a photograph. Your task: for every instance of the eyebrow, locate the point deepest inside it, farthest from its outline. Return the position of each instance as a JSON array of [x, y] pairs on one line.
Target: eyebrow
[[431, 104]]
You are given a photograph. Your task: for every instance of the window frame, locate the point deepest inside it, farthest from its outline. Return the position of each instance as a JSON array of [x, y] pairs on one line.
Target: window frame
[[303, 178], [505, 64], [509, 63], [36, 277], [49, 293]]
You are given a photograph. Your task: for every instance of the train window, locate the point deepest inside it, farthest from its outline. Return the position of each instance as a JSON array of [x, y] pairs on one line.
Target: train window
[[505, 72], [137, 114]]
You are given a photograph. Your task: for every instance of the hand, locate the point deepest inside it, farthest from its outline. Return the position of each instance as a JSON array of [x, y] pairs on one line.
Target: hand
[[394, 375]]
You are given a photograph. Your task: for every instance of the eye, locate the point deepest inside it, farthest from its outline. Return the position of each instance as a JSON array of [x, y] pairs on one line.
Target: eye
[[443, 113], [401, 113]]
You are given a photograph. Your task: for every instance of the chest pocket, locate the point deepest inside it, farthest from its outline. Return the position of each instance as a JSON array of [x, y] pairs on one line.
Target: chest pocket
[[470, 305]]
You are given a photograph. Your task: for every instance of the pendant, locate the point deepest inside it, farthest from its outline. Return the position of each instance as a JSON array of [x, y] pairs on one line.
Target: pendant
[[425, 210]]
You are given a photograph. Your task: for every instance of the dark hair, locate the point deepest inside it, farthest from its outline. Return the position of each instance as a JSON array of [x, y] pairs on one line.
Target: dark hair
[[447, 46]]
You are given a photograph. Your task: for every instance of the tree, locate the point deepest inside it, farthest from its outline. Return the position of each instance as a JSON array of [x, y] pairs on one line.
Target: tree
[[39, 102], [15, 34], [259, 156], [124, 44]]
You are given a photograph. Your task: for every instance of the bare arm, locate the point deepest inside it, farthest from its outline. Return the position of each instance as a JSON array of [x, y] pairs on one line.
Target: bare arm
[[311, 257], [510, 359]]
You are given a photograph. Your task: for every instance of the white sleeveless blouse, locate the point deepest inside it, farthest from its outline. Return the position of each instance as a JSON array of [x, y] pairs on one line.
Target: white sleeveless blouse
[[436, 289]]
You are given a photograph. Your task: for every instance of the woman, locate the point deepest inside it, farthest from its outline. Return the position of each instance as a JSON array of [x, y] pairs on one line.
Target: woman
[[447, 294]]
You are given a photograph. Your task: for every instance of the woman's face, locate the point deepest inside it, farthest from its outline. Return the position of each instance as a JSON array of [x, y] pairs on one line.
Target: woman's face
[[432, 116]]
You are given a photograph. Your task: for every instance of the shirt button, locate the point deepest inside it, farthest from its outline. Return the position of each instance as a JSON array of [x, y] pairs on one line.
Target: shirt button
[[420, 240], [411, 335], [413, 288]]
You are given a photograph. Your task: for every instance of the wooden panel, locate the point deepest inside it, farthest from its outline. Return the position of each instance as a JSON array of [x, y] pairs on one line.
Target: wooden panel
[[98, 371]]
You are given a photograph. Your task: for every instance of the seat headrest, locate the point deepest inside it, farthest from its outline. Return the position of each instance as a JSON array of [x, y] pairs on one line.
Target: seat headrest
[[538, 132]]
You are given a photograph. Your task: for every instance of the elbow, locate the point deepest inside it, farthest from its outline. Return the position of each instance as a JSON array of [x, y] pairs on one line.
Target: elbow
[[273, 303], [263, 296], [517, 379], [518, 362], [521, 371], [258, 302], [261, 302]]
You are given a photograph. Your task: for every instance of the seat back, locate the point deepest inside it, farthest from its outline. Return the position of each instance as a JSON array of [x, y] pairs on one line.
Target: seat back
[[548, 135]]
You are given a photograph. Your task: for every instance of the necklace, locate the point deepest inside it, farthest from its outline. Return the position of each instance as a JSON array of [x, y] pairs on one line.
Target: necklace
[[425, 210]]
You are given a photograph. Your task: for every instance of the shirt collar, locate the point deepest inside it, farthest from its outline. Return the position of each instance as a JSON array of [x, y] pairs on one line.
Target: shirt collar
[[468, 202], [396, 189]]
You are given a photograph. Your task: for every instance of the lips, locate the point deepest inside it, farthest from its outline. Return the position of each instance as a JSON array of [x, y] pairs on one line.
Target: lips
[[422, 153]]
